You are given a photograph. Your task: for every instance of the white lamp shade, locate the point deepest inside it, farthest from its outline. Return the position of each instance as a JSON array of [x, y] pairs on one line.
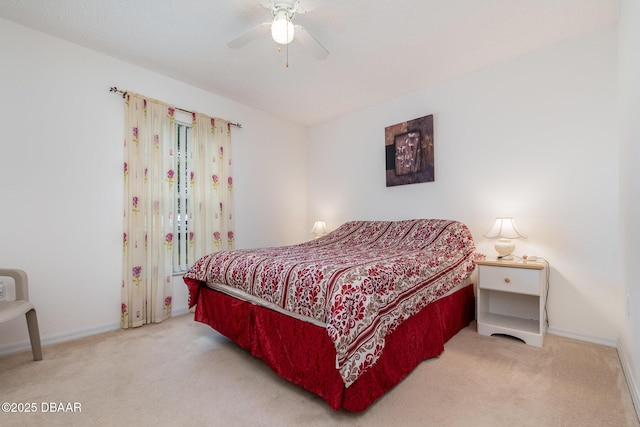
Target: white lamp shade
[[504, 228], [282, 29], [319, 228]]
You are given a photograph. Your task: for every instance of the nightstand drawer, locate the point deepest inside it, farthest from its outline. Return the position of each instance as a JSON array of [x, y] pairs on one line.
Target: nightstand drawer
[[508, 279]]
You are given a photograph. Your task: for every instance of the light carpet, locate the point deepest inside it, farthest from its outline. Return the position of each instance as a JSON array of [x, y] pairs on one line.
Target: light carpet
[[183, 373]]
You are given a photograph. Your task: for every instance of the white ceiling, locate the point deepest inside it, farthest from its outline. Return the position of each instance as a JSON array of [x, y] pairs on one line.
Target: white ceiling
[[379, 49]]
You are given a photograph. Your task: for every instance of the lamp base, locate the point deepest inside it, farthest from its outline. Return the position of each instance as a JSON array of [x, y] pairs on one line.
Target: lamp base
[[505, 247]]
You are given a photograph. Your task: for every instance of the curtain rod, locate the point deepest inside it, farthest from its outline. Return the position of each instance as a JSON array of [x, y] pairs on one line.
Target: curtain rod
[[114, 89]]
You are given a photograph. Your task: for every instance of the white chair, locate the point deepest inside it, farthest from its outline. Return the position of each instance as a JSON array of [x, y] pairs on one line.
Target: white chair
[[10, 310]]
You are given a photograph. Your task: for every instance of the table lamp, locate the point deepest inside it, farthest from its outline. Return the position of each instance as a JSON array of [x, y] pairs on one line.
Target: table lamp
[[319, 229], [504, 229]]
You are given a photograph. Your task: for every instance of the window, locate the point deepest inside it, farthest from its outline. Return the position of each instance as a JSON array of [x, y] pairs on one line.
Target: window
[[181, 225]]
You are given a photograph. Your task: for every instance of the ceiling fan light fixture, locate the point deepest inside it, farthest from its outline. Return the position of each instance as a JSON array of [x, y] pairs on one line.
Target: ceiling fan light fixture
[[282, 29]]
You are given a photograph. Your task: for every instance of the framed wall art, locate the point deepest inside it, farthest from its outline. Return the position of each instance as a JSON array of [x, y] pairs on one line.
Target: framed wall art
[[409, 152]]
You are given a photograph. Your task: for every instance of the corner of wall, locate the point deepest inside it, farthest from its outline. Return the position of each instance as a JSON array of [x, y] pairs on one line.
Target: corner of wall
[[628, 374]]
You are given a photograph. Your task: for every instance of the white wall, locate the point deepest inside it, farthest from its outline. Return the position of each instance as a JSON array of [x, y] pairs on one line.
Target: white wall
[[61, 177], [629, 70], [535, 138]]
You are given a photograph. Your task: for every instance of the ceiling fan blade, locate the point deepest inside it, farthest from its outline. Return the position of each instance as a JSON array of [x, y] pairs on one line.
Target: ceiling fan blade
[[305, 6], [310, 43], [250, 35]]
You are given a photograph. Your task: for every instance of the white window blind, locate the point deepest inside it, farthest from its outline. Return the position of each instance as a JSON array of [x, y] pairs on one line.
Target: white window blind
[[181, 224]]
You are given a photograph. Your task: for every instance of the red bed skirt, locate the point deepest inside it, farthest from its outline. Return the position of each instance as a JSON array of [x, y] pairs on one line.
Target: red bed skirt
[[303, 353]]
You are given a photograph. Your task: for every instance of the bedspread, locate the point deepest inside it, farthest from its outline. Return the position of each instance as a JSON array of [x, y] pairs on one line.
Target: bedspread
[[362, 280]]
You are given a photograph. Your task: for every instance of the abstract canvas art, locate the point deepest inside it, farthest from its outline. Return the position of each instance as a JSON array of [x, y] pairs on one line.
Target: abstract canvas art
[[409, 151]]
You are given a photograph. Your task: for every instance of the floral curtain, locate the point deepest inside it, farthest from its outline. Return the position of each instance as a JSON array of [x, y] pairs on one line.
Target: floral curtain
[[211, 199], [148, 211]]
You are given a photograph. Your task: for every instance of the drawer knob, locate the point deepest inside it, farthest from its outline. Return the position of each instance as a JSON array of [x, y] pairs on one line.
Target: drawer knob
[[507, 280]]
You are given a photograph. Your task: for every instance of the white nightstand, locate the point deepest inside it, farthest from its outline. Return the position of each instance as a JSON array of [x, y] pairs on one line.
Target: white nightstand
[[511, 299]]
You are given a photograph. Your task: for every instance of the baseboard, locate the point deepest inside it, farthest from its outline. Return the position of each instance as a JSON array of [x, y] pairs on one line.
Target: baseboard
[[583, 337], [628, 374], [179, 311], [70, 336]]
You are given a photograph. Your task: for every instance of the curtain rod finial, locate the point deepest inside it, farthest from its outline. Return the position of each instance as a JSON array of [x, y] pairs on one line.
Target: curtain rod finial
[[114, 89]]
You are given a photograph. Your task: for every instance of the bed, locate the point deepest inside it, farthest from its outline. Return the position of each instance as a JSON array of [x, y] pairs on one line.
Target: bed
[[346, 316]]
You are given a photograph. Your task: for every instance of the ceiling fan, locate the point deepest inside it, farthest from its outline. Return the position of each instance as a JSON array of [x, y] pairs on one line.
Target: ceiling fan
[[282, 28]]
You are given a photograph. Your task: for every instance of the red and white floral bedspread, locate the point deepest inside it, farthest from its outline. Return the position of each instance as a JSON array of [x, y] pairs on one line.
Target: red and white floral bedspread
[[362, 279]]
